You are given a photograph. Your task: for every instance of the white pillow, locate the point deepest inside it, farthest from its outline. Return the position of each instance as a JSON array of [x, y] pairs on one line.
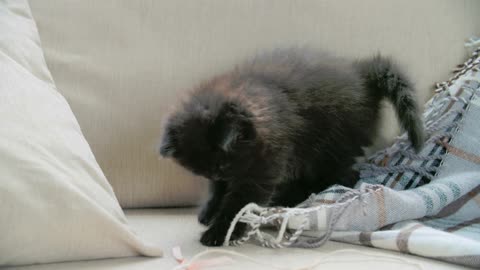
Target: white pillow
[[55, 202]]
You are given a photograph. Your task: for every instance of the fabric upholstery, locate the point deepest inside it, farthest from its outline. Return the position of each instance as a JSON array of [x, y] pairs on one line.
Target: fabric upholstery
[[123, 63], [179, 227]]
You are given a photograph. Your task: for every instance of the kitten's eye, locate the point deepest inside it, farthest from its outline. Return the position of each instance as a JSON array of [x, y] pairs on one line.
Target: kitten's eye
[[221, 167]]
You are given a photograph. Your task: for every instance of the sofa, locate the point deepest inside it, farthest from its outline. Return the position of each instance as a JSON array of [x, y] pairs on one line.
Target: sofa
[[122, 65]]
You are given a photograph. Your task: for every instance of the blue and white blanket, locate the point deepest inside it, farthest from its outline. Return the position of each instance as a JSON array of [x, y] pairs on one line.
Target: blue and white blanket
[[426, 204]]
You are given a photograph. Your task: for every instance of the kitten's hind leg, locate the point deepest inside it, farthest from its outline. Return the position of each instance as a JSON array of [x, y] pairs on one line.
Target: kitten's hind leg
[[217, 190], [292, 193], [349, 178]]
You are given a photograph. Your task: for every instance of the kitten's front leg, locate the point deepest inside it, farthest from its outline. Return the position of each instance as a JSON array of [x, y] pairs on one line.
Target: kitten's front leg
[[237, 197], [217, 190]]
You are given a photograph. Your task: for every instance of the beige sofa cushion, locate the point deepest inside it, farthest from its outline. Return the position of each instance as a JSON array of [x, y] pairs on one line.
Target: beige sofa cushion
[[122, 64], [179, 227]]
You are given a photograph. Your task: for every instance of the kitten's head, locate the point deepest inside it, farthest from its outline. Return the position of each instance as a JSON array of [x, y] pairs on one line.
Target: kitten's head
[[211, 136]]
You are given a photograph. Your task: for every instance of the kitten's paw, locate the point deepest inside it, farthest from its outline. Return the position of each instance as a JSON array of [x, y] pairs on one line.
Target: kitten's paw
[[205, 216], [214, 236]]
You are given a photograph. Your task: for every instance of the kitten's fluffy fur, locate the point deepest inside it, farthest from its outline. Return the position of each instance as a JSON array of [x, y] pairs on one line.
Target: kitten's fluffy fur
[[282, 126]]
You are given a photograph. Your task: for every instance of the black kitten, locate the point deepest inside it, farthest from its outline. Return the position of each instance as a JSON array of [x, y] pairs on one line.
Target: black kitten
[[283, 126]]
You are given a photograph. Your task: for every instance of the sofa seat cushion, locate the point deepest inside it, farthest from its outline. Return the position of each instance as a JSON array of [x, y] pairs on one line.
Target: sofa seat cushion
[[179, 227]]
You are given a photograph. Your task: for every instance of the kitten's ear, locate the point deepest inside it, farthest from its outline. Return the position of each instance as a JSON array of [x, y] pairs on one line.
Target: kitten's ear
[[237, 127], [229, 138]]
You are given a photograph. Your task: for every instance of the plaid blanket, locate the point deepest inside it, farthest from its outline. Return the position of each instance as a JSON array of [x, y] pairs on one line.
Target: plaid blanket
[[427, 204]]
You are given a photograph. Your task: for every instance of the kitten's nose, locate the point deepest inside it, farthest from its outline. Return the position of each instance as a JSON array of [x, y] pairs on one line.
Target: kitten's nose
[[166, 147], [165, 150]]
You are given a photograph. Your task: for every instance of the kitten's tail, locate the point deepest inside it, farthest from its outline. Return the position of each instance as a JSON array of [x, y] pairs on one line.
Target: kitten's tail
[[386, 80]]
